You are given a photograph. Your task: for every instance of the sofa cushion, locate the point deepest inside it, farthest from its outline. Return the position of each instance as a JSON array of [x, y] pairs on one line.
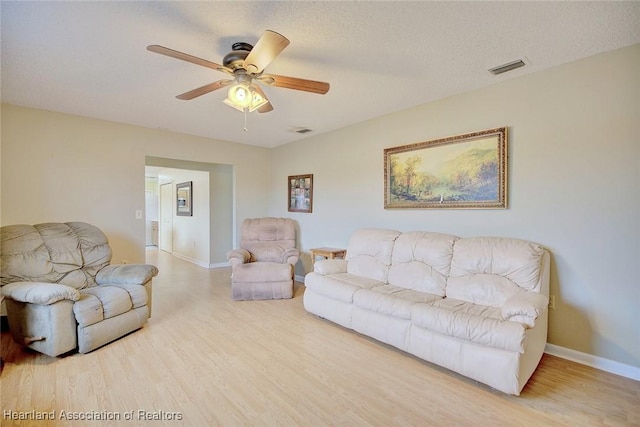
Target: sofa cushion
[[96, 252], [78, 251], [391, 300], [67, 253], [469, 322], [518, 260], [137, 293], [369, 253], [468, 308], [88, 310], [484, 289], [266, 271], [421, 261], [63, 246], [114, 300], [25, 258], [103, 302], [268, 238], [340, 286], [267, 251]]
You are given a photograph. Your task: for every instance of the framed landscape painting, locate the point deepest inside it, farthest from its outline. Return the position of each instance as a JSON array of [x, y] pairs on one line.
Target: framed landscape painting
[[465, 172]]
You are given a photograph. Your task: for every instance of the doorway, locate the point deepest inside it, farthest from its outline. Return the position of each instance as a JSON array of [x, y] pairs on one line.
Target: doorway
[[206, 236]]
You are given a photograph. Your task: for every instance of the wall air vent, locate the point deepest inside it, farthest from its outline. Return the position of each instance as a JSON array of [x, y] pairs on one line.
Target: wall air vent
[[507, 67]]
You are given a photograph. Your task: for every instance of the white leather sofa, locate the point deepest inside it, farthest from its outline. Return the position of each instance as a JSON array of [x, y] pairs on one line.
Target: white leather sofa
[[477, 306]]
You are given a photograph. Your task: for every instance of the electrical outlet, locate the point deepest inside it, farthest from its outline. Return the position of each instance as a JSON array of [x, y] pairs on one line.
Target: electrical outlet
[[138, 214], [552, 302]]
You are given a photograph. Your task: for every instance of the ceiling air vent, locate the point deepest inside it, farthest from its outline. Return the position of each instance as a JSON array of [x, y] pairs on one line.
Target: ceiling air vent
[[301, 130], [507, 67]]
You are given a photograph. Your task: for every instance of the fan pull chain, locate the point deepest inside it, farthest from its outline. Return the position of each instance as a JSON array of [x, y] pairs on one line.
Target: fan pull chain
[[245, 119]]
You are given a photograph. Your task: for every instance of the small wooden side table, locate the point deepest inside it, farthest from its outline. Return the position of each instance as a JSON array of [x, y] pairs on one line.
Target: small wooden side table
[[329, 253]]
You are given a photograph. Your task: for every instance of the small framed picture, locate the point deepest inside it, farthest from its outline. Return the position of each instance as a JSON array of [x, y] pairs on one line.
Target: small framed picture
[[300, 193], [184, 199]]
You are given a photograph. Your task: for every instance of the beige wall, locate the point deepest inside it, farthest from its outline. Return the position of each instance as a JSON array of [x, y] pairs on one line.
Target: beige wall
[[573, 178], [59, 167], [573, 187]]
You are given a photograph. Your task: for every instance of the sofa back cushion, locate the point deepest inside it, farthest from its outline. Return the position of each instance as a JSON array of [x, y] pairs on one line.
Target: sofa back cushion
[[369, 253], [422, 261], [488, 270], [68, 253], [267, 238]]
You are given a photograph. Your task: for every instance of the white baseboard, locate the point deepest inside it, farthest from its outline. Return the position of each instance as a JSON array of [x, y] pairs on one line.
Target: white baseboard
[[191, 260], [219, 265], [200, 263], [601, 363]]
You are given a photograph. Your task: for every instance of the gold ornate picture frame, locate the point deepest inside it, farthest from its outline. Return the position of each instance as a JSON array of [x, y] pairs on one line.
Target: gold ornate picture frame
[[465, 171]]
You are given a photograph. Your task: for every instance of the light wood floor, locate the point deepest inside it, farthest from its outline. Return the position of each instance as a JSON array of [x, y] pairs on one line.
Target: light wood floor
[[217, 362]]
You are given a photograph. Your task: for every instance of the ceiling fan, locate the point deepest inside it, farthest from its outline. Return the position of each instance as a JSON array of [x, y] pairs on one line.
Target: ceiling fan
[[246, 64]]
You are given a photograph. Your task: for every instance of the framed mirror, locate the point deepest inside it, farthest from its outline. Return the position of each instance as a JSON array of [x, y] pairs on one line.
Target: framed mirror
[[184, 199]]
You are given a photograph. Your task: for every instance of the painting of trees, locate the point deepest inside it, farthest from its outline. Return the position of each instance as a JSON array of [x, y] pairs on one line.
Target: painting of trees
[[468, 172]]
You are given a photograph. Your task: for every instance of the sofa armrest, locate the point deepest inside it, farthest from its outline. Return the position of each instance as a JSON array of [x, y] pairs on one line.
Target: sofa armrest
[[238, 256], [40, 293], [330, 266], [127, 274], [525, 307], [291, 256]]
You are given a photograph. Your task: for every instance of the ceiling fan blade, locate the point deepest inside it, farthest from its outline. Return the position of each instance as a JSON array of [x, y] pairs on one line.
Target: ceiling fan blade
[[189, 58], [204, 89], [267, 48], [295, 83], [266, 107]]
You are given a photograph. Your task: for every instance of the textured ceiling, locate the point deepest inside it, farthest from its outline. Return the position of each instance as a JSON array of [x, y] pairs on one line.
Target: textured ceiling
[[90, 58]]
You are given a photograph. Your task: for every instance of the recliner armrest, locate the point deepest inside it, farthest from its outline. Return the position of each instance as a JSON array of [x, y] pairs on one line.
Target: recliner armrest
[[126, 274], [291, 256], [238, 256], [525, 307], [40, 293]]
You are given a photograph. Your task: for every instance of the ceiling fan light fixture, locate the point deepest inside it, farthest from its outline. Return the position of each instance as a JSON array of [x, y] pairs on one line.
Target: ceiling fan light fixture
[[243, 97], [240, 95], [258, 101]]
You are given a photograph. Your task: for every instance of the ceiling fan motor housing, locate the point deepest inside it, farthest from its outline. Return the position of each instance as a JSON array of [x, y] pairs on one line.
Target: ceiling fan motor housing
[[235, 59]]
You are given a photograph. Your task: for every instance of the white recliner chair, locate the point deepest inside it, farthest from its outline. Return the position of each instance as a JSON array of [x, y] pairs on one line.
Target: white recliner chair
[[62, 294], [263, 267]]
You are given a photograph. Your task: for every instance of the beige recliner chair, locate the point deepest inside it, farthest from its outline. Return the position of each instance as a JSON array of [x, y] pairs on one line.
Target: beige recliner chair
[[62, 294], [263, 266]]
